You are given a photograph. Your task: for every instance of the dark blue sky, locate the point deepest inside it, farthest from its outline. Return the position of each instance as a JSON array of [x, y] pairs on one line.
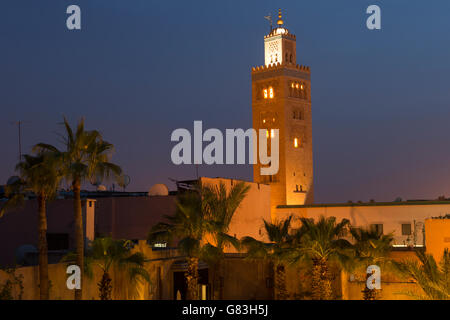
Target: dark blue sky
[[139, 69]]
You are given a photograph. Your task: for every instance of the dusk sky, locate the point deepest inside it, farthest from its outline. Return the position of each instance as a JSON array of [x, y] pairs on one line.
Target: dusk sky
[[139, 69]]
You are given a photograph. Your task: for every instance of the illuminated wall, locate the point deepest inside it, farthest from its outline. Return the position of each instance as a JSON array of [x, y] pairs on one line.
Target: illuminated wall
[[437, 236]]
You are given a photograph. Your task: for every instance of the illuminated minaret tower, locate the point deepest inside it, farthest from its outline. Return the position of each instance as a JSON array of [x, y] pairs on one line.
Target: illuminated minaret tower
[[281, 99]]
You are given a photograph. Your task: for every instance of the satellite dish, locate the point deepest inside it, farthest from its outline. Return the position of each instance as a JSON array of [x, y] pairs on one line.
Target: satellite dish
[[96, 180], [124, 181], [158, 189], [26, 254], [101, 188], [12, 180]]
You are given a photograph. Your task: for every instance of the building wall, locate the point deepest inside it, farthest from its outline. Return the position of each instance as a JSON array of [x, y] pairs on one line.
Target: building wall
[[244, 279], [20, 227], [248, 218], [131, 217], [437, 236], [391, 215], [247, 280], [120, 281]]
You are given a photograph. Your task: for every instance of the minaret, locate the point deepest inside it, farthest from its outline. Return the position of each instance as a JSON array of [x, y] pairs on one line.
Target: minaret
[[281, 99]]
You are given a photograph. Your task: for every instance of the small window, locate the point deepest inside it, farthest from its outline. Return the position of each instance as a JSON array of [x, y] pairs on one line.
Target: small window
[[406, 229], [378, 227]]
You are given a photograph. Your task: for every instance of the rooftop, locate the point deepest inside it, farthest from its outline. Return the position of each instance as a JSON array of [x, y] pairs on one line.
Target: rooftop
[[369, 204]]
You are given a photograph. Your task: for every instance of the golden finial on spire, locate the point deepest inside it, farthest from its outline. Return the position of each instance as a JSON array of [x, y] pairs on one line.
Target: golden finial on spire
[[280, 21]]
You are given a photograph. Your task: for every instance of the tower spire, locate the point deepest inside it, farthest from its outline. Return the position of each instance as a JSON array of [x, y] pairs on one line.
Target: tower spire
[[280, 21]]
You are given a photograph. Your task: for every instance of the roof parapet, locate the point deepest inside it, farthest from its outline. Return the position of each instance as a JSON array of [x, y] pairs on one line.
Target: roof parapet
[[276, 66]]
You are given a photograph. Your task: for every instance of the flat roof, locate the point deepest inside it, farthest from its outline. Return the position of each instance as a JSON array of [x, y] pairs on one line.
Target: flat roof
[[370, 204]]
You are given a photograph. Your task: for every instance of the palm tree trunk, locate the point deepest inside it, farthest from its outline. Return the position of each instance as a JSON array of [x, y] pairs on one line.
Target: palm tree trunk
[[280, 283], [217, 284], [79, 236], [105, 287], [192, 278], [369, 294], [321, 284], [43, 249]]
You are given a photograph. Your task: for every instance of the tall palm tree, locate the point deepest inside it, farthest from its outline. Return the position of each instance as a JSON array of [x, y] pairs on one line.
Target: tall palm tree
[[85, 156], [277, 251], [371, 248], [106, 253], [40, 175], [220, 207], [432, 277], [321, 243], [188, 225]]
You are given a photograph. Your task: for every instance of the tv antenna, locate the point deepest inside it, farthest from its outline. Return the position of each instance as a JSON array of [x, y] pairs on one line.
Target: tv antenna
[[269, 18], [19, 129], [124, 181]]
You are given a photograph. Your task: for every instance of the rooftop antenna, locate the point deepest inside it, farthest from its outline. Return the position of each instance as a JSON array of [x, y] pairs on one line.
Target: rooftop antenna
[[269, 18], [19, 129]]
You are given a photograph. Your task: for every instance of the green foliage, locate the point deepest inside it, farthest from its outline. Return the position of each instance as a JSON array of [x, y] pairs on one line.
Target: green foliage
[[323, 240], [220, 207], [7, 289], [370, 248], [188, 225], [200, 226], [85, 156], [446, 216], [38, 174], [319, 243], [105, 253], [278, 249], [433, 278]]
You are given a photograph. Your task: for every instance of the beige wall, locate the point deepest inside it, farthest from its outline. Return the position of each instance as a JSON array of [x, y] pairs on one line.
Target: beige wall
[[437, 236], [248, 218], [243, 279], [120, 282], [392, 216]]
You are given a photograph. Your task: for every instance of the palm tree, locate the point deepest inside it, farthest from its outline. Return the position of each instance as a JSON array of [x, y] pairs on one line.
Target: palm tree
[[189, 226], [321, 243], [277, 251], [86, 155], [220, 207], [40, 175], [106, 253], [371, 248], [432, 277]]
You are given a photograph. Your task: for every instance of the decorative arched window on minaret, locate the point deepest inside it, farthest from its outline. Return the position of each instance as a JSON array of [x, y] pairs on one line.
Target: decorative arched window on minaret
[[291, 102], [279, 43]]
